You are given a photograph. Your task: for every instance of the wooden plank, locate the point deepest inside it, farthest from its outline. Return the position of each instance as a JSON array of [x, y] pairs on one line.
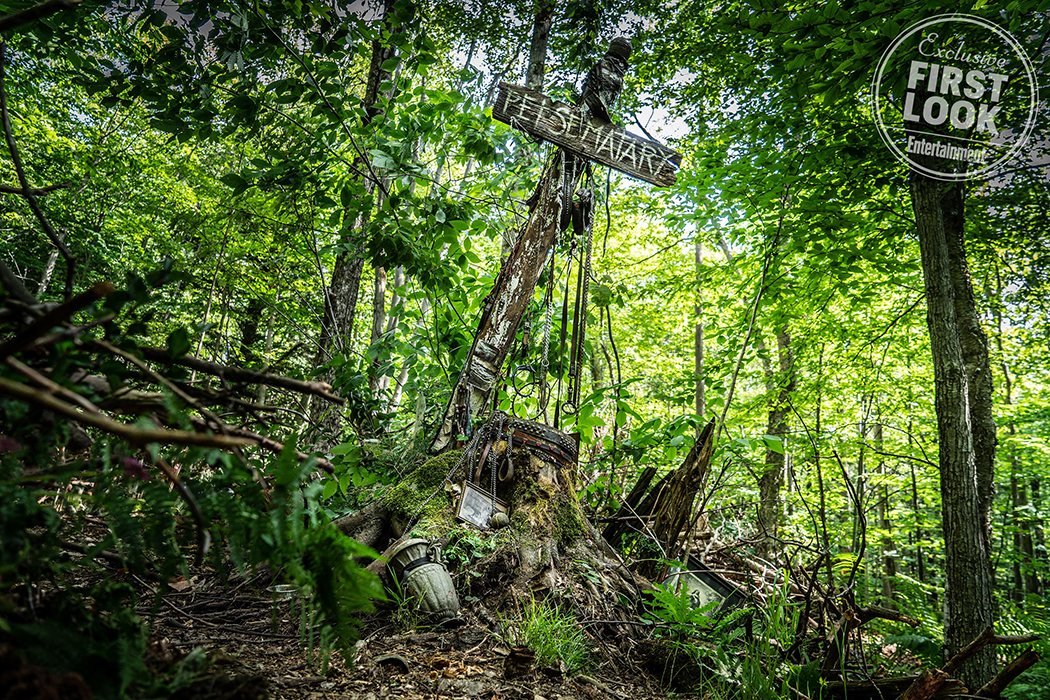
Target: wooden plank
[[564, 125]]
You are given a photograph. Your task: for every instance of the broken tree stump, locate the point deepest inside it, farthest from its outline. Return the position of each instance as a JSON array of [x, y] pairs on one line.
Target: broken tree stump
[[664, 515]]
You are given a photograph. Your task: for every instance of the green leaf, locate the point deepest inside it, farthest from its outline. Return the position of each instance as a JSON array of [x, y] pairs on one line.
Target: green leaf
[[178, 343]]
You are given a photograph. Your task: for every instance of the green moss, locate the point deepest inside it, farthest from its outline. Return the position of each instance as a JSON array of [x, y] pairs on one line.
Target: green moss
[[568, 520], [417, 494]]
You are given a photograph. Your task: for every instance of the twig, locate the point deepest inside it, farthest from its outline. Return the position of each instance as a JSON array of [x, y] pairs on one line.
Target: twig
[[16, 160], [203, 533], [138, 436], [912, 458]]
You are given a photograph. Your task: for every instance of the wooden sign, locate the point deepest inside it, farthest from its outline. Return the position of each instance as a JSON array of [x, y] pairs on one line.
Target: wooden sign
[[564, 125]]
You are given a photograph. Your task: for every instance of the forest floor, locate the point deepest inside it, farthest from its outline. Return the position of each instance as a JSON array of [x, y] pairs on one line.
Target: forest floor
[[255, 650]]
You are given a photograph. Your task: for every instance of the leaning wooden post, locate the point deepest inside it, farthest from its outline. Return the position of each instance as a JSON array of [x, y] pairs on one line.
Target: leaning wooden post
[[581, 136]]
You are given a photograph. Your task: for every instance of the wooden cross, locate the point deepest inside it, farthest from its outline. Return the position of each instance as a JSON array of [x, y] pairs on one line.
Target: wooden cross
[[581, 137]]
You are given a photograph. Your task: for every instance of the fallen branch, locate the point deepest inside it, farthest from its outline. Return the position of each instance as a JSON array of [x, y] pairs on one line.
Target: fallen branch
[[54, 317], [136, 436], [995, 687], [984, 639]]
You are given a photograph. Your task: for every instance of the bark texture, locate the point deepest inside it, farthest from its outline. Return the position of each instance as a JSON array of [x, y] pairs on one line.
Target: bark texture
[[340, 300], [968, 585], [771, 483]]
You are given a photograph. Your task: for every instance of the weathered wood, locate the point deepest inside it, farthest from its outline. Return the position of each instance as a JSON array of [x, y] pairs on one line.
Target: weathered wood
[[508, 301], [884, 688], [626, 513], [995, 687], [568, 127], [926, 686], [668, 505], [675, 508]]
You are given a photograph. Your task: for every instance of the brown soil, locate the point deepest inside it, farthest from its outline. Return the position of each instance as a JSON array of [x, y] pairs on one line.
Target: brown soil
[[253, 639]]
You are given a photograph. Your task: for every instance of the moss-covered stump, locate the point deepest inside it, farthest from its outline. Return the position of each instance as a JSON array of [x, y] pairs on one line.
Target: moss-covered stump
[[420, 504], [550, 549], [417, 500]]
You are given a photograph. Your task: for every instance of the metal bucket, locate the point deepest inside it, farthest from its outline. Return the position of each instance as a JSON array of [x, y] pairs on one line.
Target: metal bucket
[[417, 565]]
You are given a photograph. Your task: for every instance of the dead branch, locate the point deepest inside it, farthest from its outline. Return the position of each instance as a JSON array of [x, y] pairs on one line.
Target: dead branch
[[216, 424], [54, 317], [137, 436], [52, 386], [239, 374], [995, 687], [14, 286]]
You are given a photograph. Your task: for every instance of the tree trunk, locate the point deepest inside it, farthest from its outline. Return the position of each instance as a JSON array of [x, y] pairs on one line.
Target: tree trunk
[[340, 302], [968, 586], [772, 480], [976, 363], [700, 396]]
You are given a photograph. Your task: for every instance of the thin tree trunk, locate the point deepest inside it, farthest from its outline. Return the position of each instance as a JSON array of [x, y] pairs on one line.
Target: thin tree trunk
[[968, 585], [700, 397], [399, 385], [49, 269], [378, 325], [889, 547], [541, 29], [534, 72], [1025, 579], [340, 300], [771, 483]]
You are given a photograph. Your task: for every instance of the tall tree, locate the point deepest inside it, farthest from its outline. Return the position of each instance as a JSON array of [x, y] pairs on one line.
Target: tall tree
[[939, 217], [340, 295]]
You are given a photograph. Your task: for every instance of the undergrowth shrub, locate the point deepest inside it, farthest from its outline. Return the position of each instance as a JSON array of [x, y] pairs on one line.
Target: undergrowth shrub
[[74, 503], [552, 634]]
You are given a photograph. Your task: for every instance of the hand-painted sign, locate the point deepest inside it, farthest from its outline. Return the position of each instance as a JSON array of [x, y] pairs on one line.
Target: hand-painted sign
[[564, 125]]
